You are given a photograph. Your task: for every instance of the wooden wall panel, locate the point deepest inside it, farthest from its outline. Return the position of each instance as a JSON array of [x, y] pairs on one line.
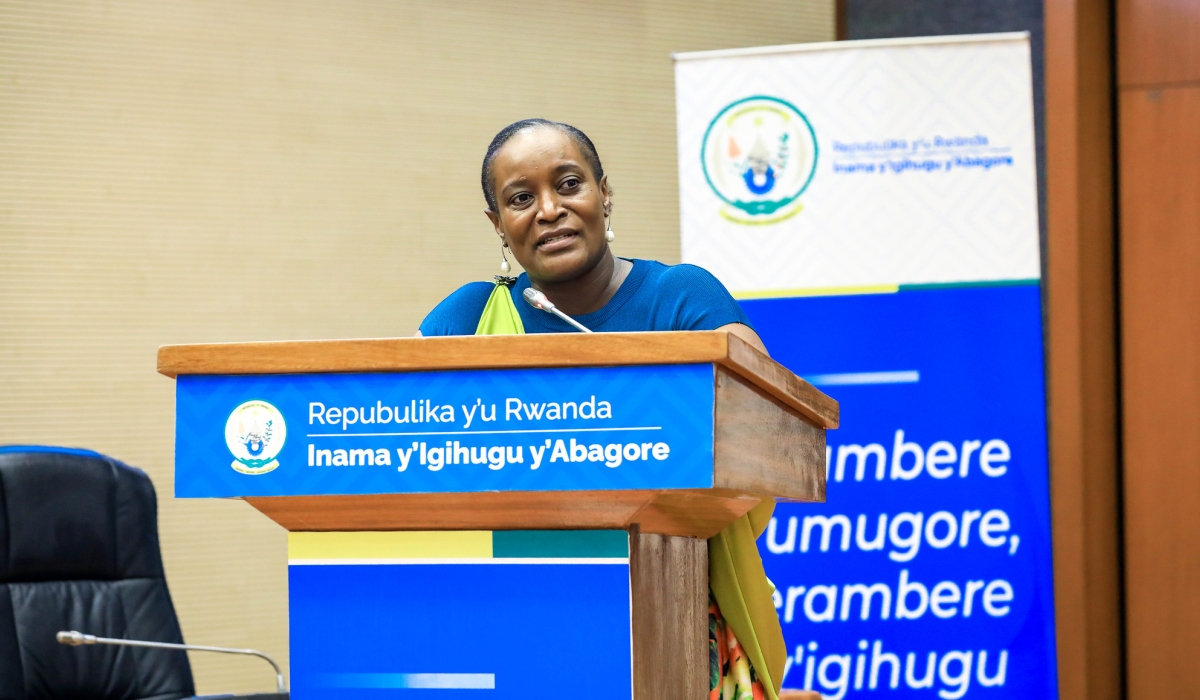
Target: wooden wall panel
[[177, 171], [1160, 310], [1158, 41], [1158, 62], [1081, 339]]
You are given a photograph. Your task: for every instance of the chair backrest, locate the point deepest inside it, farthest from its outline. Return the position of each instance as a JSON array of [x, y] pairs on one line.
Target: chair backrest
[[79, 551]]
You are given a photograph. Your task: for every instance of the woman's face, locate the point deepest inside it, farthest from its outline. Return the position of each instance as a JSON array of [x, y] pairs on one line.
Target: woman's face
[[551, 208]]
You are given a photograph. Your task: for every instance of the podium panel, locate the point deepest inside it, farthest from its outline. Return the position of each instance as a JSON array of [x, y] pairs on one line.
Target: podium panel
[[522, 614]]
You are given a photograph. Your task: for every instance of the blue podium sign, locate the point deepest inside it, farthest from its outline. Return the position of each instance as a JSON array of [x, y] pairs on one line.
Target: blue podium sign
[[594, 428]]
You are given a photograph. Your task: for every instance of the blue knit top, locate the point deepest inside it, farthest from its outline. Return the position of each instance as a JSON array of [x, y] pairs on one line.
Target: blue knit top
[[653, 297]]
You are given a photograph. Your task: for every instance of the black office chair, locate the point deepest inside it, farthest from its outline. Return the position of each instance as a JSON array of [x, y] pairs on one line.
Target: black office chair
[[79, 551]]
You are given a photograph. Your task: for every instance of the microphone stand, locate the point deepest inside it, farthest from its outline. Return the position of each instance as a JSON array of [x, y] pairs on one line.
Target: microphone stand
[[539, 300], [75, 639]]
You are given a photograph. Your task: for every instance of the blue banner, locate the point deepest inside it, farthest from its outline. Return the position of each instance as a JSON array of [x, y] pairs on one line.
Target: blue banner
[[928, 570], [596, 428]]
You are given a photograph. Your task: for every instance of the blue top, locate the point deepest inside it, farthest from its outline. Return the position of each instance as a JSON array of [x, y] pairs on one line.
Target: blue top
[[654, 297]]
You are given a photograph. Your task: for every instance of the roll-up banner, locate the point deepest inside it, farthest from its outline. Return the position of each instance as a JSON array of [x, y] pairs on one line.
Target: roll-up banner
[[874, 206]]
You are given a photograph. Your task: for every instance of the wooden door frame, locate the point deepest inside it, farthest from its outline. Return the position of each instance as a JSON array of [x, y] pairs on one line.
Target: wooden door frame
[[1082, 349]]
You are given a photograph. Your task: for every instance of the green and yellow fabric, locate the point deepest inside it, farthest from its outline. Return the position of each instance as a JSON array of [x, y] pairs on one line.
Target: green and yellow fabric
[[744, 597], [500, 315], [736, 577]]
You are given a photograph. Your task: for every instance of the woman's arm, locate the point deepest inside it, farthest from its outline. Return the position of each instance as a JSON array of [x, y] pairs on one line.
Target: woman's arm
[[747, 334]]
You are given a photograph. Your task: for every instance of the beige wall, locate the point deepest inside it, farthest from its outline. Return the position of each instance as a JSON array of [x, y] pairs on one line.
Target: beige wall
[[201, 170]]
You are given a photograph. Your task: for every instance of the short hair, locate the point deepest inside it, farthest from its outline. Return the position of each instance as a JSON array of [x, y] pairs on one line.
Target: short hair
[[581, 140]]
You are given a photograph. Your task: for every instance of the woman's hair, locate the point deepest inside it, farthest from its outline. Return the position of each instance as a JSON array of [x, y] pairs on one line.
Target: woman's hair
[[581, 140]]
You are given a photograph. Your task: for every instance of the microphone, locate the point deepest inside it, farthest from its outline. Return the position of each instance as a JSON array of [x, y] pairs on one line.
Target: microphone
[[75, 639], [539, 300]]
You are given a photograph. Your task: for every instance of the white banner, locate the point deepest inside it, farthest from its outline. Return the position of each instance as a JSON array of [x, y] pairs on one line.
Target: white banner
[[861, 164]]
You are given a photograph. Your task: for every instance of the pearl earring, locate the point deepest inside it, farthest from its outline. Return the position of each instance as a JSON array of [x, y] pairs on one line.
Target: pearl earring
[[608, 234], [504, 266]]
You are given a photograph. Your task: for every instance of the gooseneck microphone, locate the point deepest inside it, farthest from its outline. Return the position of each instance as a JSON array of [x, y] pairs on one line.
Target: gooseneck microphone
[[75, 639], [539, 300]]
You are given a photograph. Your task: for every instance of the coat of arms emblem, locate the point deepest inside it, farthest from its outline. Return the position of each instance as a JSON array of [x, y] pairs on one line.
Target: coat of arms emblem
[[255, 433], [759, 155]]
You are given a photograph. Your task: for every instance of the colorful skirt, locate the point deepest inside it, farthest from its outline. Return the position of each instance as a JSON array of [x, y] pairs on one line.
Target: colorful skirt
[[730, 675]]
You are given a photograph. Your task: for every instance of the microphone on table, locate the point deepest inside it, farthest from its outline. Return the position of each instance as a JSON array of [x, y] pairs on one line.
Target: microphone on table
[[539, 300], [75, 639]]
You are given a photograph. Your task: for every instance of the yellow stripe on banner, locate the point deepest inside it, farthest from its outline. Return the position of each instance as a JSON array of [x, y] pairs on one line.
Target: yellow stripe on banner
[[473, 544], [819, 292]]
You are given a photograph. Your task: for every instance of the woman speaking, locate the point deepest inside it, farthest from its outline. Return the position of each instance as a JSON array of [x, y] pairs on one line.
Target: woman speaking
[[549, 201]]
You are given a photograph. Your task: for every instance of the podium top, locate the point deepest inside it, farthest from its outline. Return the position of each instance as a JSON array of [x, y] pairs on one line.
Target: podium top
[[506, 351], [727, 427]]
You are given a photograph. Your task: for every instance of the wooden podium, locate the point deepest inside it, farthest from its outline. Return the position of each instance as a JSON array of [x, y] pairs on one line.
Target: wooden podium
[[666, 436]]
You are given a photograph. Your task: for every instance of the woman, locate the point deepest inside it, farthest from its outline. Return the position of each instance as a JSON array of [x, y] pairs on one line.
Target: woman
[[549, 202]]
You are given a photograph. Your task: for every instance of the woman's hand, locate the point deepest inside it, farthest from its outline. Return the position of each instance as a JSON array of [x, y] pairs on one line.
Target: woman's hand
[[747, 334]]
